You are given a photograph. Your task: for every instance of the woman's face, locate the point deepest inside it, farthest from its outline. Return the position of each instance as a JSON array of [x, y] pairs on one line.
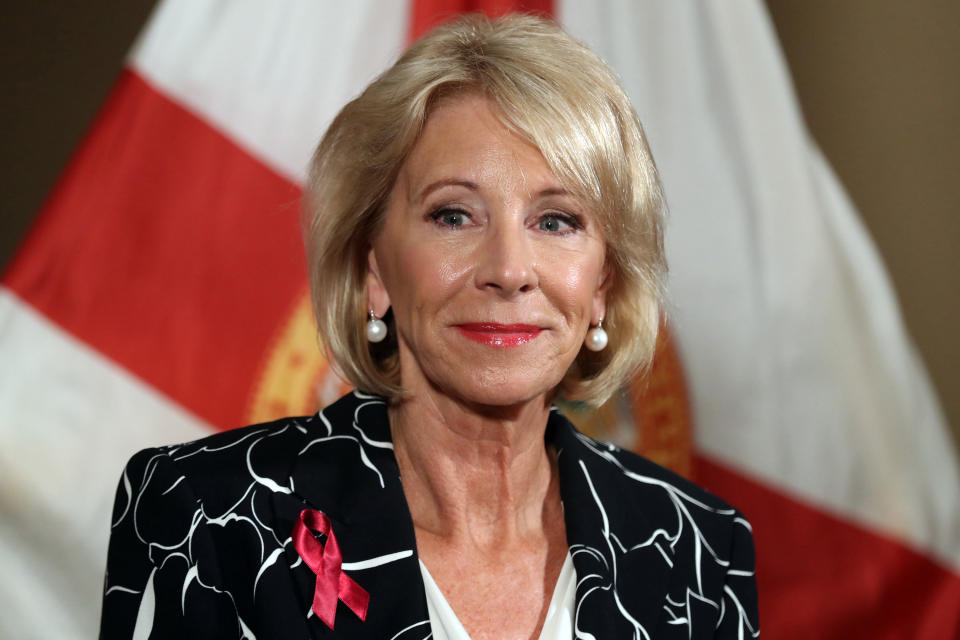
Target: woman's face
[[493, 271]]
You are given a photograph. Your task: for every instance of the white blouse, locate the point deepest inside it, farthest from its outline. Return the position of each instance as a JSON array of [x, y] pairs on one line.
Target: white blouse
[[558, 624]]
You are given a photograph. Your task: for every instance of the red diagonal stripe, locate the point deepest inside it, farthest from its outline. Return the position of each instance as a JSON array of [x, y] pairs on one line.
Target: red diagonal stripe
[[820, 576], [169, 249], [426, 14]]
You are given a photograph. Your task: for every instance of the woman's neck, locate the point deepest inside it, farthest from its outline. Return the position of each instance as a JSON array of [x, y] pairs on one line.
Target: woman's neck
[[476, 477], [483, 492]]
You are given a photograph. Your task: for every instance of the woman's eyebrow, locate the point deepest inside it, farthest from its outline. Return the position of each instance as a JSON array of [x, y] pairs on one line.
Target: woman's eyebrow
[[446, 182]]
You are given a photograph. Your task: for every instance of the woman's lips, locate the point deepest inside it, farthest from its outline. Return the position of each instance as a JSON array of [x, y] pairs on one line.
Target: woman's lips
[[499, 335]]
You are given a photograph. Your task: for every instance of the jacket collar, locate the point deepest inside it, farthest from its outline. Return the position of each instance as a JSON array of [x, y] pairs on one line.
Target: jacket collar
[[346, 468]]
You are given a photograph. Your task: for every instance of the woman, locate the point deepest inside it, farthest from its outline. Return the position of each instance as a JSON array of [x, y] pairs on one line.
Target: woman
[[483, 230]]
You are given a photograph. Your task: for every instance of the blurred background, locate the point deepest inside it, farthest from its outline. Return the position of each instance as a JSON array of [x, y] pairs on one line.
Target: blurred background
[[877, 80]]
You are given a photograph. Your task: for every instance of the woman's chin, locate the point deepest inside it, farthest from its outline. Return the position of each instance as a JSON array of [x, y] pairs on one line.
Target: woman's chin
[[500, 379], [500, 392]]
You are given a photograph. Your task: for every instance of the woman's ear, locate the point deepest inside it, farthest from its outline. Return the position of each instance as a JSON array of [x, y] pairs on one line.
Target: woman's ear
[[599, 309], [599, 305], [377, 297]]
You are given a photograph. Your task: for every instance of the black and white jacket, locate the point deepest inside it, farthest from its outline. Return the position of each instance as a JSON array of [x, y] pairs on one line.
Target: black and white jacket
[[201, 538]]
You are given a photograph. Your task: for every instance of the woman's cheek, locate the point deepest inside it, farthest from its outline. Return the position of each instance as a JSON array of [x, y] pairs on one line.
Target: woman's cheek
[[451, 271]]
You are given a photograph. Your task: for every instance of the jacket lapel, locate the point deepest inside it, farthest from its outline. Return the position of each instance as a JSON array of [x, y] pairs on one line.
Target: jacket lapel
[[345, 468], [622, 558]]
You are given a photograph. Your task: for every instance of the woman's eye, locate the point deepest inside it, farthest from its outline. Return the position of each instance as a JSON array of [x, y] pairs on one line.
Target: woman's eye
[[554, 223], [450, 217]]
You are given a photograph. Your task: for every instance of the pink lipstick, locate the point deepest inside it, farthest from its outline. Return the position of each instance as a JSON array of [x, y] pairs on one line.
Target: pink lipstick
[[499, 335]]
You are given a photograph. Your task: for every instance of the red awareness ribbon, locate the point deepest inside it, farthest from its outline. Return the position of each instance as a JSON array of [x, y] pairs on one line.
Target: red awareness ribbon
[[325, 561]]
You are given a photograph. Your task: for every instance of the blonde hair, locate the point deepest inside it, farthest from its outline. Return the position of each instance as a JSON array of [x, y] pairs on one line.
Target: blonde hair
[[556, 94]]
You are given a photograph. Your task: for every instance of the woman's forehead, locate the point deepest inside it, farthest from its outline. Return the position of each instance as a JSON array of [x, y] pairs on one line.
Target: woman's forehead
[[465, 143]]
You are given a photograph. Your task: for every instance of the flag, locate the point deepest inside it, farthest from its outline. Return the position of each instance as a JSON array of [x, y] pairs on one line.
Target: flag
[[161, 294]]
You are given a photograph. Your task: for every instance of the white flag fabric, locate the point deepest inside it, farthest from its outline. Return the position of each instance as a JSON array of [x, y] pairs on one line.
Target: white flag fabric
[[161, 295], [809, 379]]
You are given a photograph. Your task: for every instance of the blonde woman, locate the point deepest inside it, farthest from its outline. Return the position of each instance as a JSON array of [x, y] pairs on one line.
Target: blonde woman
[[484, 233]]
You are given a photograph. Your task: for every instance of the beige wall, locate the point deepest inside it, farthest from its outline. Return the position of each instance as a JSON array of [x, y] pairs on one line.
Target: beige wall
[[57, 63], [879, 83]]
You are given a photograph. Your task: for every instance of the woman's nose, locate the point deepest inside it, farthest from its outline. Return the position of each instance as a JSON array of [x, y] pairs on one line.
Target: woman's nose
[[506, 262]]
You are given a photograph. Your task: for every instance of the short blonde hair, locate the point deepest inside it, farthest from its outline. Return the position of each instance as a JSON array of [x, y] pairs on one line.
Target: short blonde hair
[[556, 94]]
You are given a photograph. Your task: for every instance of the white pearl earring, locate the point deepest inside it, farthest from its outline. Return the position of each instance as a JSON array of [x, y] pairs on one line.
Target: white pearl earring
[[376, 328], [596, 338]]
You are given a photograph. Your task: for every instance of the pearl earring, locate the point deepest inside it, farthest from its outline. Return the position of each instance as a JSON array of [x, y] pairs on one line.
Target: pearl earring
[[376, 328], [596, 338]]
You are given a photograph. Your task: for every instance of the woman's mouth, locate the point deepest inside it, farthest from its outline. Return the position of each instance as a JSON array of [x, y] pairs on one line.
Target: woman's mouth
[[499, 335]]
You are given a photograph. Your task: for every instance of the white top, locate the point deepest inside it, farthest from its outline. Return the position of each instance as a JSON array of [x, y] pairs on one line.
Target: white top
[[558, 624]]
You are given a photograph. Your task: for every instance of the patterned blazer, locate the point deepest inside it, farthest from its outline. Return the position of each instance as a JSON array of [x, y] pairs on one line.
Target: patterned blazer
[[201, 538]]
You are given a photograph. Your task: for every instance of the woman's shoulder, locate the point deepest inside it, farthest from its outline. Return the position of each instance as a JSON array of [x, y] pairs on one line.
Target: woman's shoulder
[[263, 453], [228, 443], [607, 471], [219, 464], [636, 466]]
